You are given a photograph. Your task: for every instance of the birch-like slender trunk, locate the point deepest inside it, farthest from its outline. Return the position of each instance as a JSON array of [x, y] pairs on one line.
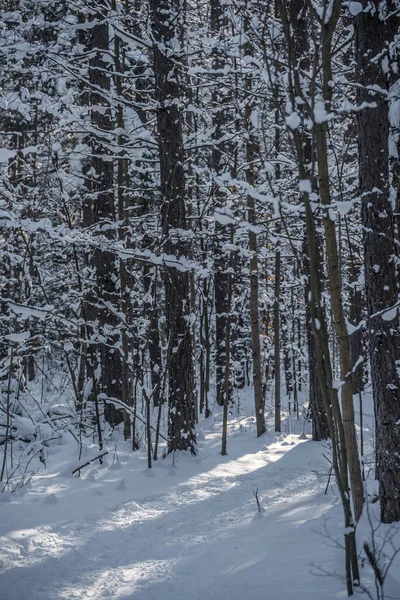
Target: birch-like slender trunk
[[318, 321], [334, 270]]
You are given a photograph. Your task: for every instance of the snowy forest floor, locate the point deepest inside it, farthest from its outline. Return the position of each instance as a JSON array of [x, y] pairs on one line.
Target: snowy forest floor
[[189, 528]]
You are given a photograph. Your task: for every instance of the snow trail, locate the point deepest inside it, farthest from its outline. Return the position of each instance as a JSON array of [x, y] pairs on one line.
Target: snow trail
[[186, 532]]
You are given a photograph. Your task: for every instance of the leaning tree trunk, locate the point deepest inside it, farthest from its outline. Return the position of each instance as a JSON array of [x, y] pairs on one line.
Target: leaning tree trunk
[[166, 23], [334, 270], [379, 250], [318, 322]]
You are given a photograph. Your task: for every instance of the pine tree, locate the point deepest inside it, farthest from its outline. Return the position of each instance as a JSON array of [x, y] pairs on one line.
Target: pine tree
[[374, 28], [166, 24]]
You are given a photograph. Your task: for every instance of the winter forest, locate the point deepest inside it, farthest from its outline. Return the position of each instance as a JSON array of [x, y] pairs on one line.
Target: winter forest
[[199, 299]]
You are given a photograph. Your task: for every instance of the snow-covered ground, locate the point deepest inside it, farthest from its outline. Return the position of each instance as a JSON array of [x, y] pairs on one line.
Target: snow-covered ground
[[188, 529]]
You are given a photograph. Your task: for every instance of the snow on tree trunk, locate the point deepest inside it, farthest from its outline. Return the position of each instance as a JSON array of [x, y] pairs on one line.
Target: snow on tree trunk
[[166, 23], [379, 250]]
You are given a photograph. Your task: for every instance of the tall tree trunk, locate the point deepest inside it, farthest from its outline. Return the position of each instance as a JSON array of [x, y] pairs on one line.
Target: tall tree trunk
[[228, 342], [373, 32], [252, 146], [300, 23], [334, 271], [166, 23], [220, 163], [103, 207], [277, 336], [122, 200], [318, 322]]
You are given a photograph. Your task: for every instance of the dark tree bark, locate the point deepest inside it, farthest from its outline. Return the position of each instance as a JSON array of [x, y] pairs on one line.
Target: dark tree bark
[[122, 204], [355, 316], [154, 342], [166, 23], [334, 267], [372, 34], [277, 335], [252, 151], [228, 359], [300, 21], [324, 365], [220, 163], [103, 208], [320, 428]]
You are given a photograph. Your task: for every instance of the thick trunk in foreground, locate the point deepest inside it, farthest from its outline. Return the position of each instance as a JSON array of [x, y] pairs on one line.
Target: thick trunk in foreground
[[166, 31], [379, 251]]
